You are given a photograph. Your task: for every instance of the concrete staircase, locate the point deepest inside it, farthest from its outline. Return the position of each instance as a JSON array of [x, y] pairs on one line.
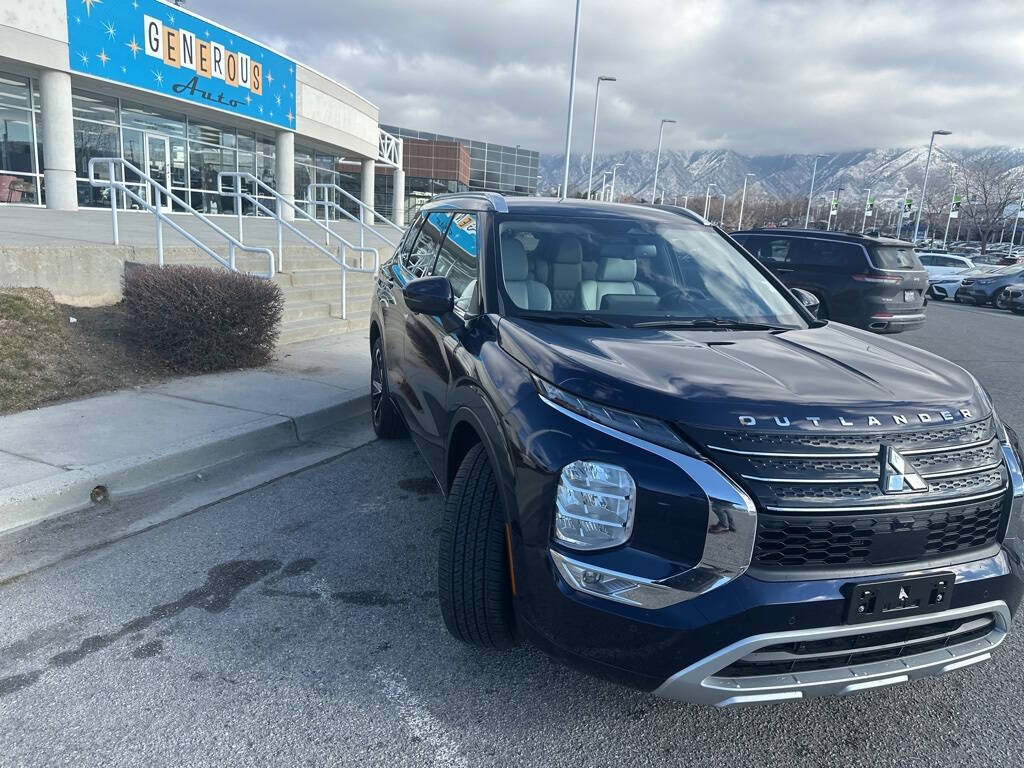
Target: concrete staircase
[[310, 282]]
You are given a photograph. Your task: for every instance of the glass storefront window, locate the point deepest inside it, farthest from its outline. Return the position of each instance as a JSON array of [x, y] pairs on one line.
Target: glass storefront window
[[94, 140], [15, 140], [152, 120], [93, 106]]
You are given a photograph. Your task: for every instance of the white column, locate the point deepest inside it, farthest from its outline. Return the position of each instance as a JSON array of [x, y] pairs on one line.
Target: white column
[[398, 197], [284, 170], [58, 140], [366, 189]]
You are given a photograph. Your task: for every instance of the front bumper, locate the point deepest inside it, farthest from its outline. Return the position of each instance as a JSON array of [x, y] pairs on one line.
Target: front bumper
[[709, 681]]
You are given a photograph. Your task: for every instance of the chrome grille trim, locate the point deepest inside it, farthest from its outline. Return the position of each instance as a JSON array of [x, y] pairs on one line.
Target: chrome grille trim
[[857, 455], [949, 501]]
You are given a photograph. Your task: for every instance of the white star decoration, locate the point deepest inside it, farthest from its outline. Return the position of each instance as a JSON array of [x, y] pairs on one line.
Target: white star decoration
[[89, 4], [134, 47], [109, 28], [291, 117], [248, 99], [103, 57], [260, 108], [84, 57], [170, 18], [135, 4], [159, 77], [270, 78], [278, 100]]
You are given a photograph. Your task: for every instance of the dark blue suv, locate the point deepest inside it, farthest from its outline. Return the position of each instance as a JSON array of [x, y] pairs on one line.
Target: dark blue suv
[[661, 467]]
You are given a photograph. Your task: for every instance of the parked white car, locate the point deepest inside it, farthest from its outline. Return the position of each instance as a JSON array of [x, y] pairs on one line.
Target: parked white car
[[941, 264]]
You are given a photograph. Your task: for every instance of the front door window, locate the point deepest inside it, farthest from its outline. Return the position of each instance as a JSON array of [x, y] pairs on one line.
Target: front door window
[[158, 154]]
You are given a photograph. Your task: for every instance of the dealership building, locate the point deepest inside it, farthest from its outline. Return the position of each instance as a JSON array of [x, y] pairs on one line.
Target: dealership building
[[183, 98], [179, 97]]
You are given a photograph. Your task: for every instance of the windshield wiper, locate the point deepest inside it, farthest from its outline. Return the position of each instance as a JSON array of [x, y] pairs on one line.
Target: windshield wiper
[[591, 320], [711, 322]]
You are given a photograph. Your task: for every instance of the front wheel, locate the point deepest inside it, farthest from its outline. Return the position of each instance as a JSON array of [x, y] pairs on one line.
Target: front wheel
[[474, 579], [1002, 299]]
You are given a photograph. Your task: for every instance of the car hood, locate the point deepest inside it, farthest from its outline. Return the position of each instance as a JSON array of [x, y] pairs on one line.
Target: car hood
[[830, 377]]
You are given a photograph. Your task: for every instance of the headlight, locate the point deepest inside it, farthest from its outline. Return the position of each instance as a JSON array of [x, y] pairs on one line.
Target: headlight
[[594, 506], [644, 427]]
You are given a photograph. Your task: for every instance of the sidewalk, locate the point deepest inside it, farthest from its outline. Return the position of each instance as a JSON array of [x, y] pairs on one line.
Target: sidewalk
[[53, 458]]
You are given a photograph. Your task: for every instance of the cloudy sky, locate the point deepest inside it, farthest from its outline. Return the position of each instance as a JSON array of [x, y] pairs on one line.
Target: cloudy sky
[[757, 77]]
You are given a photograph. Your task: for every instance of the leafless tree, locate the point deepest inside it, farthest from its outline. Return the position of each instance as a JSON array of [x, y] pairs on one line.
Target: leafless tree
[[989, 192]]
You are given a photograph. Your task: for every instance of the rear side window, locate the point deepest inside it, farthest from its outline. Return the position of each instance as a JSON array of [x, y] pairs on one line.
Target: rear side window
[[420, 258], [895, 257], [833, 256], [458, 258], [770, 251]]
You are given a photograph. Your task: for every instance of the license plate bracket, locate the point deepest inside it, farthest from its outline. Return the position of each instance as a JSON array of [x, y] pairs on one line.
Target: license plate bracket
[[910, 295], [914, 596]]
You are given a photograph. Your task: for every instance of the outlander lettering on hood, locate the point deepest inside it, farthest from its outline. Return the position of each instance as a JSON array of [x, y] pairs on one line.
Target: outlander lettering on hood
[[961, 414]]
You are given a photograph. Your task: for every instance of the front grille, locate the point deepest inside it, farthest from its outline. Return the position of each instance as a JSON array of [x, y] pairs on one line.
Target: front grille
[[821, 501], [864, 648], [803, 541]]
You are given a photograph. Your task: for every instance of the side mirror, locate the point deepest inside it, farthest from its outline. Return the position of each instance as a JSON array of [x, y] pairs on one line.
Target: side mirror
[[808, 299], [429, 296], [433, 296]]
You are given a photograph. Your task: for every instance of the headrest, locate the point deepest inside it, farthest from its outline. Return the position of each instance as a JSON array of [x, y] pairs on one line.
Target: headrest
[[645, 251], [514, 265], [614, 251], [612, 270], [569, 251]]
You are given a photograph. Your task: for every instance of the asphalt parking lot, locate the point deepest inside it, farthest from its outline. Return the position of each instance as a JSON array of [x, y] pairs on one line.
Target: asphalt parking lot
[[297, 624]]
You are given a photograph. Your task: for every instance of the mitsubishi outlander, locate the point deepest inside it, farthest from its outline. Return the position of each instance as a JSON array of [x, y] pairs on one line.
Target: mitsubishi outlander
[[661, 467]]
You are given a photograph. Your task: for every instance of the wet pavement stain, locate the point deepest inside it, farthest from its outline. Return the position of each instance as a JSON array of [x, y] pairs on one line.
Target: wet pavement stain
[[149, 650], [370, 597], [223, 584], [423, 486]]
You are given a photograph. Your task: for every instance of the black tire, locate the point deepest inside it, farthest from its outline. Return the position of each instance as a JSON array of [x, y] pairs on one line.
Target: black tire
[[387, 421], [1001, 300], [473, 577]]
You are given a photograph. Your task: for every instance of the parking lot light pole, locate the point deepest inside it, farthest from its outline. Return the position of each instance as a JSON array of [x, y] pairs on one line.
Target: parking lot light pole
[[1016, 218], [743, 201], [814, 172], [572, 97], [867, 204], [949, 218], [657, 162], [903, 210], [924, 184], [593, 135], [721, 218], [611, 194], [707, 200]]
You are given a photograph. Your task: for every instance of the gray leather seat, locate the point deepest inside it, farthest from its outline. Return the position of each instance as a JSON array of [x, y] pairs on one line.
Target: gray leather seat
[[566, 274], [616, 275], [525, 291]]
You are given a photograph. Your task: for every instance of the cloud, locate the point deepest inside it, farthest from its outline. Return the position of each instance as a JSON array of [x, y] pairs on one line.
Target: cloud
[[757, 77]]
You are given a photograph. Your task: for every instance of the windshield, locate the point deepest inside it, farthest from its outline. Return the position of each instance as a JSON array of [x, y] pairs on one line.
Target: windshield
[[895, 257], [620, 271]]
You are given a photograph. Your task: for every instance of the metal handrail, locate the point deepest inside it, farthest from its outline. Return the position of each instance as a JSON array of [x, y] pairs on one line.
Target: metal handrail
[[114, 184], [363, 226], [239, 194]]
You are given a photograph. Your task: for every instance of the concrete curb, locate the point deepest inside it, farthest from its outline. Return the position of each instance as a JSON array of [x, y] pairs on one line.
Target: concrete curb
[[70, 491]]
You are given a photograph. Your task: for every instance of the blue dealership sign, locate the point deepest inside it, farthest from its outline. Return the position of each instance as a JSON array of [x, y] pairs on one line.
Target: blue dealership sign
[[164, 49]]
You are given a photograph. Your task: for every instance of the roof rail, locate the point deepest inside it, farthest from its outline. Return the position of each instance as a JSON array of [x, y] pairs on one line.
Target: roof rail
[[681, 211], [495, 200]]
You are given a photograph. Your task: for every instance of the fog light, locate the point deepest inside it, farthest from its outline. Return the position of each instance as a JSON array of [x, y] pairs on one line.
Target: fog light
[[594, 506], [620, 587]]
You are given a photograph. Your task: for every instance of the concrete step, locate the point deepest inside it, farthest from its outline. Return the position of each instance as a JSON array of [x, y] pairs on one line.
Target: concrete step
[[356, 311], [313, 328], [295, 311]]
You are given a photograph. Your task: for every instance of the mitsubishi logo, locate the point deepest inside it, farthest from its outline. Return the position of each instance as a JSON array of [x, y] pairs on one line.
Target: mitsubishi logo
[[898, 475]]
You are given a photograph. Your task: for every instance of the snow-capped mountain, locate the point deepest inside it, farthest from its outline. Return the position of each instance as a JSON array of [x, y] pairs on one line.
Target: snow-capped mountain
[[887, 172]]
